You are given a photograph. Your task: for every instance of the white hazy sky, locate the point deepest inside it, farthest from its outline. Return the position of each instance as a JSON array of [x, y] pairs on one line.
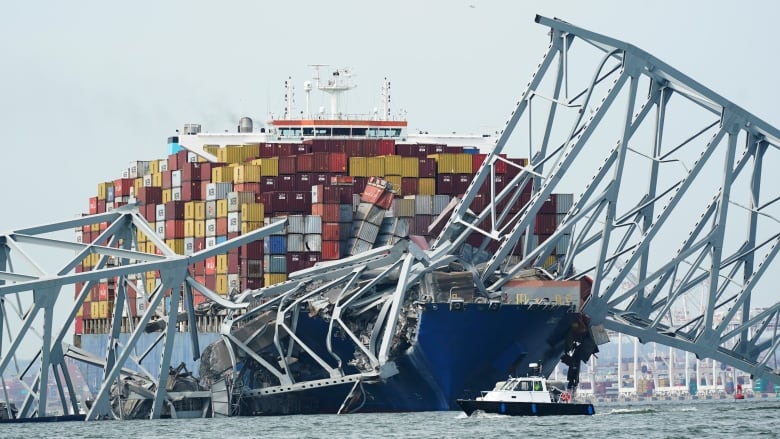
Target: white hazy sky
[[88, 86]]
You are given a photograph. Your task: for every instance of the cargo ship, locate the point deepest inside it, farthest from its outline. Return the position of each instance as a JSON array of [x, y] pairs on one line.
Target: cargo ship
[[349, 189]]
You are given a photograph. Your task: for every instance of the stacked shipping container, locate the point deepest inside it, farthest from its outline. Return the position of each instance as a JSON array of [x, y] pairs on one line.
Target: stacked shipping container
[[320, 186]]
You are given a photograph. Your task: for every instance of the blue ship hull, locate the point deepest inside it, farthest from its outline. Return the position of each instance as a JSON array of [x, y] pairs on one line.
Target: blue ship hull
[[455, 354]]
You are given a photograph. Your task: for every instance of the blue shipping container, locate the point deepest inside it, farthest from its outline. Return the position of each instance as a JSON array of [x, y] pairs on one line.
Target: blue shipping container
[[275, 245]]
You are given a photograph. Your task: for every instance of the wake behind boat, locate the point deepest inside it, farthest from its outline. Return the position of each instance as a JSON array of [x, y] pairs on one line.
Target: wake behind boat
[[525, 396]]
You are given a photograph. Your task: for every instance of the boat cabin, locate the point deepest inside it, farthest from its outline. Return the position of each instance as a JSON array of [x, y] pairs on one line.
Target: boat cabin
[[522, 389]]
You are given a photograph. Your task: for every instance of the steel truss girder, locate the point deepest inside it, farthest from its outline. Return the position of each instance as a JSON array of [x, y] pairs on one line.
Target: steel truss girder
[[31, 292], [701, 157]]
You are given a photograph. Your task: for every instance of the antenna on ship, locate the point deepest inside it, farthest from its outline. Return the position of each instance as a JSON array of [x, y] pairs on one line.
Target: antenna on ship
[[339, 82], [385, 99], [289, 97]]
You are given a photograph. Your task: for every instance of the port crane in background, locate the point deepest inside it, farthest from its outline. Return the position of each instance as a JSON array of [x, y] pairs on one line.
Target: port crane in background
[[666, 175]]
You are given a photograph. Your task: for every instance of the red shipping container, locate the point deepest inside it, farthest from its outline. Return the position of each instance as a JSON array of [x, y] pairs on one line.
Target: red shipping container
[[102, 291], [300, 202], [211, 266], [149, 195], [331, 250], [93, 205], [255, 188], [79, 325], [410, 186], [199, 244], [330, 231], [359, 184], [249, 283], [337, 162], [445, 184], [545, 224], [173, 162], [326, 194], [174, 210], [386, 200], [287, 164], [284, 149], [295, 262], [268, 150], [192, 172], [405, 150], [150, 210], [233, 261], [320, 162], [304, 182], [253, 250], [182, 158], [323, 179], [222, 226], [304, 162], [461, 183], [312, 258], [318, 145], [427, 167], [174, 229], [267, 184], [167, 179], [476, 161], [101, 206], [210, 281], [328, 212], [276, 202], [285, 183], [354, 148], [300, 148], [371, 194], [122, 187], [386, 146], [500, 165], [192, 190]]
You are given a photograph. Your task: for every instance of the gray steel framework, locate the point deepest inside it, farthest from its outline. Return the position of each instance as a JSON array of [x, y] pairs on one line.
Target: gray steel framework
[[673, 200]]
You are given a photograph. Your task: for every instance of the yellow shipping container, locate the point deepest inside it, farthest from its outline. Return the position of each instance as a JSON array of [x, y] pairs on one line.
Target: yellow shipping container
[[154, 166], [250, 151], [177, 245], [200, 210], [410, 167], [222, 208], [157, 179], [269, 167], [445, 163], [167, 195], [94, 228], [80, 312], [102, 192], [463, 163], [274, 278], [222, 285], [140, 236], [250, 226], [200, 228], [358, 166], [222, 264], [189, 228], [393, 164], [231, 154], [252, 212], [549, 261], [427, 186], [246, 174], [395, 180], [375, 166], [138, 184], [222, 174], [94, 309], [189, 210]]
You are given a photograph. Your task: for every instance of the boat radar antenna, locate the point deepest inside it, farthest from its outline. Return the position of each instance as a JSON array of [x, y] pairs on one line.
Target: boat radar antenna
[[289, 97], [339, 82]]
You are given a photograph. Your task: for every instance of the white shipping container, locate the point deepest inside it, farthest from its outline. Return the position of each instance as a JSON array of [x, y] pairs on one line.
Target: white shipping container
[[368, 232], [159, 212], [176, 178], [163, 165], [160, 229], [296, 224], [313, 224], [236, 199], [274, 219], [295, 243], [189, 246], [125, 173], [355, 202], [211, 241], [192, 157], [109, 206], [312, 242], [563, 202], [234, 222], [148, 180], [423, 204], [440, 203], [360, 246], [211, 209], [176, 194], [218, 191], [211, 227]]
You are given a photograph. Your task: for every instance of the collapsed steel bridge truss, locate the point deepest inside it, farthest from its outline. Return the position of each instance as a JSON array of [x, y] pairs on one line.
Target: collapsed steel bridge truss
[[667, 190], [667, 182]]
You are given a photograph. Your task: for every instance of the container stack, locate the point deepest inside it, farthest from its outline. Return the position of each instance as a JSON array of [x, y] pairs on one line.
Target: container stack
[[340, 197]]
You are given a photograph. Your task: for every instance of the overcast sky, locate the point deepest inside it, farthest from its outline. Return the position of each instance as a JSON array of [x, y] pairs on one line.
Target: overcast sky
[[87, 86]]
